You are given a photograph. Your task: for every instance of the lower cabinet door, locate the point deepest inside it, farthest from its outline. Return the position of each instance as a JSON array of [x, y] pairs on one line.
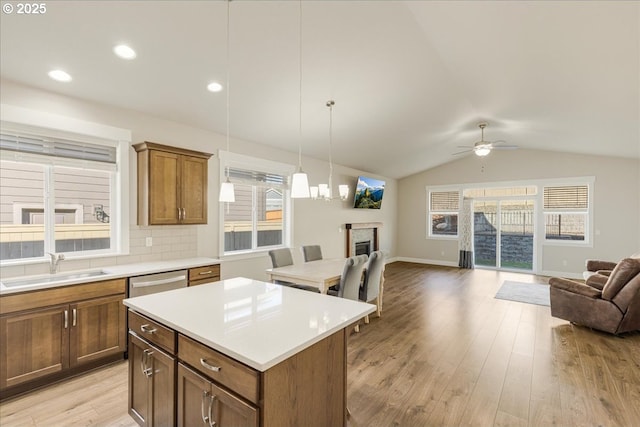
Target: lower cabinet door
[[33, 344], [163, 392], [202, 403], [151, 384], [139, 407], [194, 392], [97, 329]]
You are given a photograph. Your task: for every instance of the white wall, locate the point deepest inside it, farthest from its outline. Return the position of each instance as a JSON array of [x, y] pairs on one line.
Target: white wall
[[616, 204], [315, 222]]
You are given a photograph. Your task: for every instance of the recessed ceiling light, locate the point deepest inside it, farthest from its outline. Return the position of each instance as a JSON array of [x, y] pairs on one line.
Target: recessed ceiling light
[[214, 87], [124, 51], [60, 75]]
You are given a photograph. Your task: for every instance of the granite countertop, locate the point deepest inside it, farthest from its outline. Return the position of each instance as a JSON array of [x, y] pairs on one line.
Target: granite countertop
[[115, 272], [257, 323]]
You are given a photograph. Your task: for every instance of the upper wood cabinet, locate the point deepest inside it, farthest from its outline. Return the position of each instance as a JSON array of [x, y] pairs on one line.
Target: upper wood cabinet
[[172, 185]]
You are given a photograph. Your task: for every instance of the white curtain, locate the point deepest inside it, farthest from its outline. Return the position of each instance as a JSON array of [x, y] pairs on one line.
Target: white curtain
[[465, 234]]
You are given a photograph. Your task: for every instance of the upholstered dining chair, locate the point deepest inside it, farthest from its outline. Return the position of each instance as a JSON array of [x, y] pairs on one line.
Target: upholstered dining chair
[[371, 289], [281, 258], [312, 253], [352, 277]]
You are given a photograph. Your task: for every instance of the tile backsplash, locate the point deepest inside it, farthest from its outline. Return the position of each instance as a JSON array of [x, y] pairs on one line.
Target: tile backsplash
[[167, 242]]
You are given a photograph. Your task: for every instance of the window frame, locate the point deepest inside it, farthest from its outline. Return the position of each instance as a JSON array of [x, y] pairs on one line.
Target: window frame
[[586, 212], [24, 121], [442, 189], [231, 160]]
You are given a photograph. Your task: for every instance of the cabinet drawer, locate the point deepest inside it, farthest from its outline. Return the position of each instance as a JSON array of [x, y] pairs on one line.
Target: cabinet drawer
[[203, 281], [211, 272], [234, 375], [152, 332]]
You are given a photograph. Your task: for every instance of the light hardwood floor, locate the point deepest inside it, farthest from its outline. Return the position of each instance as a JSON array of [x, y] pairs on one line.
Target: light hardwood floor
[[445, 352]]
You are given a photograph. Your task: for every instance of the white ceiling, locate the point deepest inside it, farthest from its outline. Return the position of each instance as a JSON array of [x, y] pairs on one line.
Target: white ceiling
[[411, 80]]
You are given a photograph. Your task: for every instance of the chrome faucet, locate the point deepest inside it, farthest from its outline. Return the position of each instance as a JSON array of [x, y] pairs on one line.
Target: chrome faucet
[[53, 263]]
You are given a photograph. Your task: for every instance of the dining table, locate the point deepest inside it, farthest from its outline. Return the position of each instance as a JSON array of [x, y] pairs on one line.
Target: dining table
[[322, 273]]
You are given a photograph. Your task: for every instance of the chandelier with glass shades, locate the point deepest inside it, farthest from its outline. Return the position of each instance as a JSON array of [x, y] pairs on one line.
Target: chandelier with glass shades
[[323, 191]]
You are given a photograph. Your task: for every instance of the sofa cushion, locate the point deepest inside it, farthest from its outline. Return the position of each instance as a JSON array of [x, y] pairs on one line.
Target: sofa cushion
[[624, 271]]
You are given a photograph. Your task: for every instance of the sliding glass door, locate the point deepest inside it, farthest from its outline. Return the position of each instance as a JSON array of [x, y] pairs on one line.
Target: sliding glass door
[[504, 234]]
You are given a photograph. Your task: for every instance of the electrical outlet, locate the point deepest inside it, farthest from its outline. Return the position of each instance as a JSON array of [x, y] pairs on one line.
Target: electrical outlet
[[148, 242], [442, 253], [564, 262]]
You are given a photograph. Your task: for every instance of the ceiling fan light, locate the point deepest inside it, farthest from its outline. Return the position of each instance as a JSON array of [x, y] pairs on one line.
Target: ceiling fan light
[[482, 151]]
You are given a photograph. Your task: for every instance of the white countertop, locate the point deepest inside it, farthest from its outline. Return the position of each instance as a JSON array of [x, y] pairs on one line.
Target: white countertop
[[113, 272], [257, 323]]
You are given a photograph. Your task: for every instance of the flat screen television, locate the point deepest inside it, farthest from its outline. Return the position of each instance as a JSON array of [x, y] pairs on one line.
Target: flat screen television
[[368, 194]]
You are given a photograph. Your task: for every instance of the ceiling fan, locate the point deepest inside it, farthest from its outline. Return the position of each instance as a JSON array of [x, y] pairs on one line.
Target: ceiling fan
[[482, 147]]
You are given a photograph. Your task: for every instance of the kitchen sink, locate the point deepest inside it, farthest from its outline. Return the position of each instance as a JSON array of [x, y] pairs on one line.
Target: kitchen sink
[[52, 278]]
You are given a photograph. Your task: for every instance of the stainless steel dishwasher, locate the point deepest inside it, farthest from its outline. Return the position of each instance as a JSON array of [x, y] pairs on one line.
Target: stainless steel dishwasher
[[159, 282]]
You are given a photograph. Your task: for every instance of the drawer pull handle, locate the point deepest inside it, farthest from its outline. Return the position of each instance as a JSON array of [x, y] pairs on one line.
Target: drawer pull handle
[[147, 329], [75, 317], [205, 272], [210, 367], [66, 319]]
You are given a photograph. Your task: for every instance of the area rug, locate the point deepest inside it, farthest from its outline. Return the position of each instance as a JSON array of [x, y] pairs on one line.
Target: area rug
[[530, 293]]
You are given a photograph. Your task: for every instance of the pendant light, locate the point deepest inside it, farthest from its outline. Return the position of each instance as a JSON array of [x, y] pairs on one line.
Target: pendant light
[[299, 180], [227, 192], [343, 190]]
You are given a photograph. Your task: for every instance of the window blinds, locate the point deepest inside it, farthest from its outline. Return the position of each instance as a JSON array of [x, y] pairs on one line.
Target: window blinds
[[53, 147], [566, 197], [253, 177], [445, 201]]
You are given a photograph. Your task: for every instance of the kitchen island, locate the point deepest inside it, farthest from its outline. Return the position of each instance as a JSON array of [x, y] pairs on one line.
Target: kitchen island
[[239, 352]]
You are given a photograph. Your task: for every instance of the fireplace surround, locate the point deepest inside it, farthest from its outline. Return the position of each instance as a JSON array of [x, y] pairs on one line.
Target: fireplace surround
[[362, 233]]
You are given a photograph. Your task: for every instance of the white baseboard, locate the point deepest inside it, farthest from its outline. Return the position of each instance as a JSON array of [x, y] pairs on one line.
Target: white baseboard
[[428, 261]]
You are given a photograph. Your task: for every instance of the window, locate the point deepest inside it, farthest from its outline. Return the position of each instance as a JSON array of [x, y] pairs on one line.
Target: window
[[443, 213], [566, 213], [59, 195], [259, 218]]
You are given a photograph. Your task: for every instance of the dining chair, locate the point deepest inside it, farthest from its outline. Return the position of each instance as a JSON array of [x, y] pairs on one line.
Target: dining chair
[[351, 279], [372, 286], [312, 253], [281, 258]]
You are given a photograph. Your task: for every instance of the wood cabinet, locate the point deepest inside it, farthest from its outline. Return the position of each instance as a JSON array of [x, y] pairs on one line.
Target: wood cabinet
[[172, 185], [307, 388], [34, 344], [151, 384], [202, 402], [202, 275], [51, 333]]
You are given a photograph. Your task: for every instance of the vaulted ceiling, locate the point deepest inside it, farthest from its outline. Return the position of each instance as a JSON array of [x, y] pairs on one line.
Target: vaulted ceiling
[[411, 80]]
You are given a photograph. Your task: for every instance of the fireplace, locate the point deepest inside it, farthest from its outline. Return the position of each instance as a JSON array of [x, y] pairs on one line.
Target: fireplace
[[362, 238], [363, 248]]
